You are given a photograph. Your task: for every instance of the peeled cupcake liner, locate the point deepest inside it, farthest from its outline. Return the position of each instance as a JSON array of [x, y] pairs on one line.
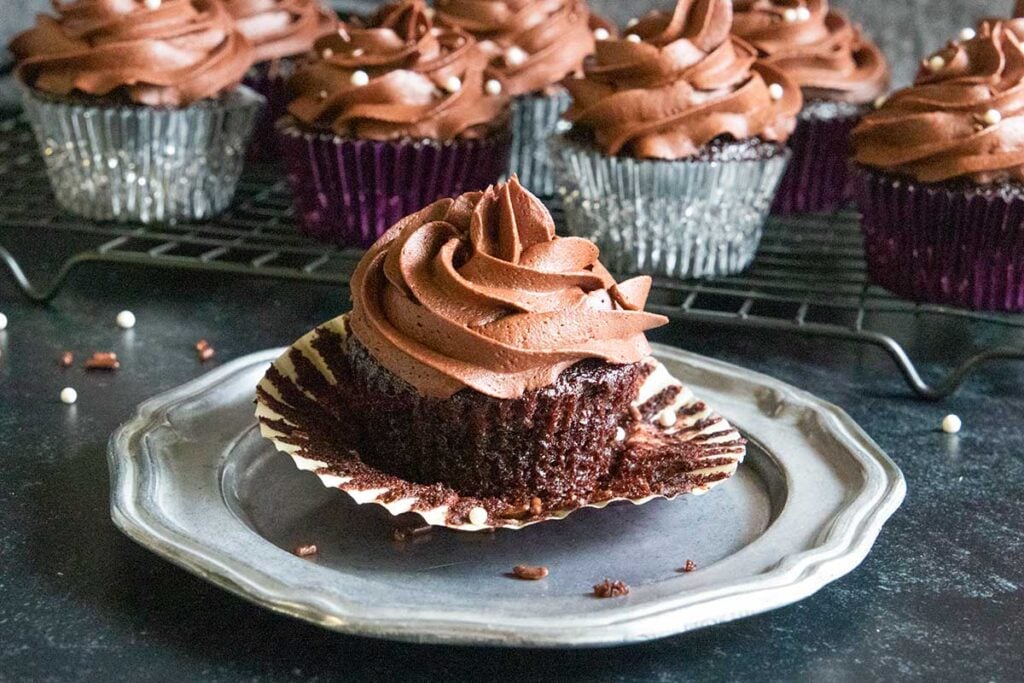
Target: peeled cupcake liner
[[679, 219], [298, 434], [940, 244], [535, 118], [817, 179], [268, 79], [136, 163], [349, 192]]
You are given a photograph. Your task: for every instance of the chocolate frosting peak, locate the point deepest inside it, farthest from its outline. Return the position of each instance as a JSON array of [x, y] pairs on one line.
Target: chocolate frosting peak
[[177, 53], [820, 48], [281, 28], [399, 76], [962, 118], [684, 83], [478, 292], [534, 43]]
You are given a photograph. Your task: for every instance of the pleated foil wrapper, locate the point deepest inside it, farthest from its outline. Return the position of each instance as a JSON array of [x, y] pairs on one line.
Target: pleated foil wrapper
[[349, 192], [939, 244], [679, 219], [535, 118], [300, 409], [817, 179], [134, 163], [268, 79]]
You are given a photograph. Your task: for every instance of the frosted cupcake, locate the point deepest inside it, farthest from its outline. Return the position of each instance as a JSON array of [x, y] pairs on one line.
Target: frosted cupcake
[[841, 74], [940, 181], [677, 145], [534, 45], [280, 31], [388, 118], [136, 106]]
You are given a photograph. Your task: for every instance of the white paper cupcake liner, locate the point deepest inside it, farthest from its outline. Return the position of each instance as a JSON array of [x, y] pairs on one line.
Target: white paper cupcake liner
[[681, 219], [145, 164], [717, 451], [535, 118]]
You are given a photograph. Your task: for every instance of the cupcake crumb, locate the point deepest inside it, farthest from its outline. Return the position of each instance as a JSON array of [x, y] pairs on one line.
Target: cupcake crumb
[[536, 506], [306, 550], [690, 566], [103, 360], [205, 350], [610, 589], [529, 573], [67, 359]]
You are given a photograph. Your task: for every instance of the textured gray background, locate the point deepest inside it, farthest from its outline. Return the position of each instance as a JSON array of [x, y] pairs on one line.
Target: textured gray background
[[907, 29]]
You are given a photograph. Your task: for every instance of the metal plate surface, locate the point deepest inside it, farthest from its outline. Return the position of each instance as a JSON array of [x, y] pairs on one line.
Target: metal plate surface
[[193, 481]]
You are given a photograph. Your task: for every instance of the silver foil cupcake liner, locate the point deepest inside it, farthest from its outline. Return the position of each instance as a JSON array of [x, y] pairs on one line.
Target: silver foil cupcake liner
[[680, 219], [135, 163], [535, 118]]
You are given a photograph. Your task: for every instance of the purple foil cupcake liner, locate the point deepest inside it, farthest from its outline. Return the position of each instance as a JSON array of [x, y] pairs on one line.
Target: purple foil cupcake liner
[[349, 192], [817, 180], [268, 79], [932, 243]]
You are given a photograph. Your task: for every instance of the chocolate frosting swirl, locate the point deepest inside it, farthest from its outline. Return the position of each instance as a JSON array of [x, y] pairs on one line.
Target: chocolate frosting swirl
[[175, 54], [281, 28], [684, 84], [534, 43], [421, 81], [962, 118], [818, 47], [478, 292]]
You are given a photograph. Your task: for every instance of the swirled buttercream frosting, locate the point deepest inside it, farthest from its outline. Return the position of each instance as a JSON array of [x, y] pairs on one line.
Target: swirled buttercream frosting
[[478, 292], [168, 53], [818, 47], [281, 28], [962, 118], [397, 77], [676, 82], [534, 43]]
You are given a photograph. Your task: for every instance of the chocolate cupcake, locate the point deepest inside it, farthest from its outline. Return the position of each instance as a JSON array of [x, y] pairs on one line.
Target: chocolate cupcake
[[534, 46], [940, 177], [280, 31], [677, 145], [841, 74], [386, 119], [136, 106], [489, 365]]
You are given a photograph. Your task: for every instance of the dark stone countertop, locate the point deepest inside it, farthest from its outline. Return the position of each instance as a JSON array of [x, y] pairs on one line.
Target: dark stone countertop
[[939, 597]]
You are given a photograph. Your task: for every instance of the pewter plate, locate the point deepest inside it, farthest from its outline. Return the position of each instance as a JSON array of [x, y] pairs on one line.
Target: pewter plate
[[193, 481]]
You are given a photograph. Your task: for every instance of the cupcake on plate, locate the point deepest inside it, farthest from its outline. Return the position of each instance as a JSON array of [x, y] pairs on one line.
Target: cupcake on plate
[[841, 74], [491, 374], [940, 177], [534, 45], [137, 107], [677, 145], [386, 119], [280, 31]]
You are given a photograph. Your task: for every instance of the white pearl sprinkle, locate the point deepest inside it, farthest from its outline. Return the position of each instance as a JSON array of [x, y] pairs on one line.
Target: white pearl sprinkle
[[968, 34], [327, 53], [633, 38], [478, 516], [515, 55], [951, 424], [620, 434], [358, 52], [992, 117], [601, 34], [68, 395], [790, 16], [936, 63], [803, 14], [360, 78], [880, 101], [3, 322], [453, 84], [152, 4], [632, 22], [667, 418], [492, 87], [776, 92], [125, 320]]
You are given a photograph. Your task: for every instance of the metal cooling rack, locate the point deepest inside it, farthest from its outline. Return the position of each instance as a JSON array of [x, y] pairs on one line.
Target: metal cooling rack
[[809, 278]]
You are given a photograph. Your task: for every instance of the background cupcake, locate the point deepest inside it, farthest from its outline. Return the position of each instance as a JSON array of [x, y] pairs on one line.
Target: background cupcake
[[940, 184], [841, 74], [678, 144], [279, 30], [391, 116], [534, 45], [135, 106]]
